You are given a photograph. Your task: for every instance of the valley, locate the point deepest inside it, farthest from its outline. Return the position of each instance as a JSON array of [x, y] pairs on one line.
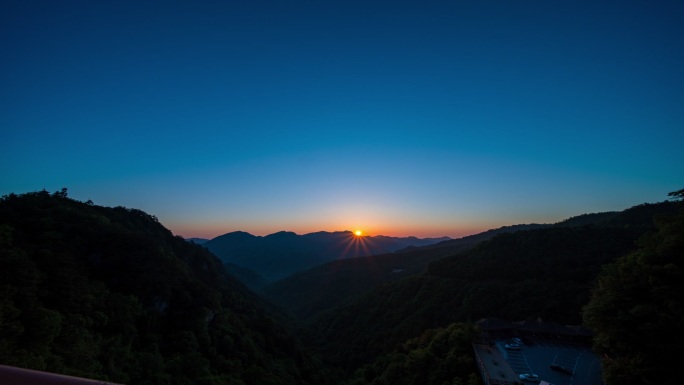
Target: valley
[[281, 254], [341, 192], [109, 293]]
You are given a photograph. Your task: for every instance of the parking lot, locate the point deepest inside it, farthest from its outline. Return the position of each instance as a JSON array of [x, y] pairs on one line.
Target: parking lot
[[536, 356]]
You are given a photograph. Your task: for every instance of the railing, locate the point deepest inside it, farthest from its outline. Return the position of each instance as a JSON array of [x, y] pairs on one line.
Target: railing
[[11, 375]]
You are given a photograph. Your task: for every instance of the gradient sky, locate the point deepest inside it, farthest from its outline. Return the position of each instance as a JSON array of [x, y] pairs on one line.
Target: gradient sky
[[398, 118]]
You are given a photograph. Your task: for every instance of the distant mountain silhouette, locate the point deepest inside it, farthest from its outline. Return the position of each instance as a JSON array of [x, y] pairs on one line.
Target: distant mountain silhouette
[[283, 253], [198, 241], [546, 272], [311, 292], [110, 293]]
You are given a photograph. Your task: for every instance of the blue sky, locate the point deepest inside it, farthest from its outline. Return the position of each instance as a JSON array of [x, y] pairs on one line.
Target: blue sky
[[398, 118]]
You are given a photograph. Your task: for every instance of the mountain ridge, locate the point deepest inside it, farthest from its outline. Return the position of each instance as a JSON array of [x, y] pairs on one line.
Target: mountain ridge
[[350, 278], [315, 234], [275, 256], [547, 272], [110, 293]]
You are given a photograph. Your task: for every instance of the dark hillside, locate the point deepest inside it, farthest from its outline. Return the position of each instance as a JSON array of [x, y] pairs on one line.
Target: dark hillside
[[198, 241], [640, 216], [272, 257], [316, 290], [636, 307], [588, 219], [249, 278], [311, 292], [321, 288], [547, 273], [109, 293], [281, 254], [437, 356]]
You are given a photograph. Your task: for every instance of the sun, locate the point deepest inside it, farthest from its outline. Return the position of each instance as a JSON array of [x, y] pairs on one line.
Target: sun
[[358, 233]]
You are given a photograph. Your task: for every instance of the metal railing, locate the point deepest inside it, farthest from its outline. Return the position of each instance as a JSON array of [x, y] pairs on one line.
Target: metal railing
[[11, 375]]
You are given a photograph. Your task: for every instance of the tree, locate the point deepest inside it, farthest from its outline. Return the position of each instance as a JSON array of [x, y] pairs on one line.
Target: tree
[[636, 308], [61, 194], [677, 195]]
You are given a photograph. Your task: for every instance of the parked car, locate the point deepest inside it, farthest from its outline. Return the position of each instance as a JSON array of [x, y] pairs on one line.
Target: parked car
[[560, 368], [512, 346], [517, 340], [529, 377]]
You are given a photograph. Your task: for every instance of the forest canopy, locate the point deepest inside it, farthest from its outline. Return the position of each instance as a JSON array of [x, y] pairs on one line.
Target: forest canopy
[[110, 294], [636, 307]]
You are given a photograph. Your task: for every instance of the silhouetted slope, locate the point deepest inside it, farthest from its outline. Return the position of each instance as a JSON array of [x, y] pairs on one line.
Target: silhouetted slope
[[637, 308], [249, 278], [332, 284], [545, 273], [198, 241], [278, 255], [437, 356], [452, 246], [640, 216], [538, 273], [316, 290], [109, 293], [324, 287]]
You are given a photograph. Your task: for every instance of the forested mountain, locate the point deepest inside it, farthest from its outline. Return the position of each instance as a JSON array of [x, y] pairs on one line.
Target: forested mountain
[[278, 255], [109, 293], [636, 308], [344, 280], [547, 273], [438, 356], [330, 285], [249, 278]]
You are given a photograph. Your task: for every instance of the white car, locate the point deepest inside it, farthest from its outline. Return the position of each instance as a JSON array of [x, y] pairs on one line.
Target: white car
[[529, 377]]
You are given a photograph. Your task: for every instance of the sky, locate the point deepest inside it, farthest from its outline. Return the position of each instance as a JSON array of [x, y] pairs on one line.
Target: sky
[[393, 117]]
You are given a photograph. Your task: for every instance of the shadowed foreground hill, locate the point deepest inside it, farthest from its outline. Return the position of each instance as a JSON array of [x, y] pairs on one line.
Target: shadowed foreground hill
[[636, 308], [109, 293], [324, 287], [547, 273], [308, 293]]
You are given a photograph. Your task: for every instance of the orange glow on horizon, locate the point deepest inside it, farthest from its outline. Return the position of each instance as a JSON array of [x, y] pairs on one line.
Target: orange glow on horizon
[[212, 229]]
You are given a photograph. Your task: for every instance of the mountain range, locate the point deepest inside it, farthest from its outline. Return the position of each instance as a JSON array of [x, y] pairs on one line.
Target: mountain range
[[309, 292], [109, 293], [347, 279], [545, 272], [278, 255]]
